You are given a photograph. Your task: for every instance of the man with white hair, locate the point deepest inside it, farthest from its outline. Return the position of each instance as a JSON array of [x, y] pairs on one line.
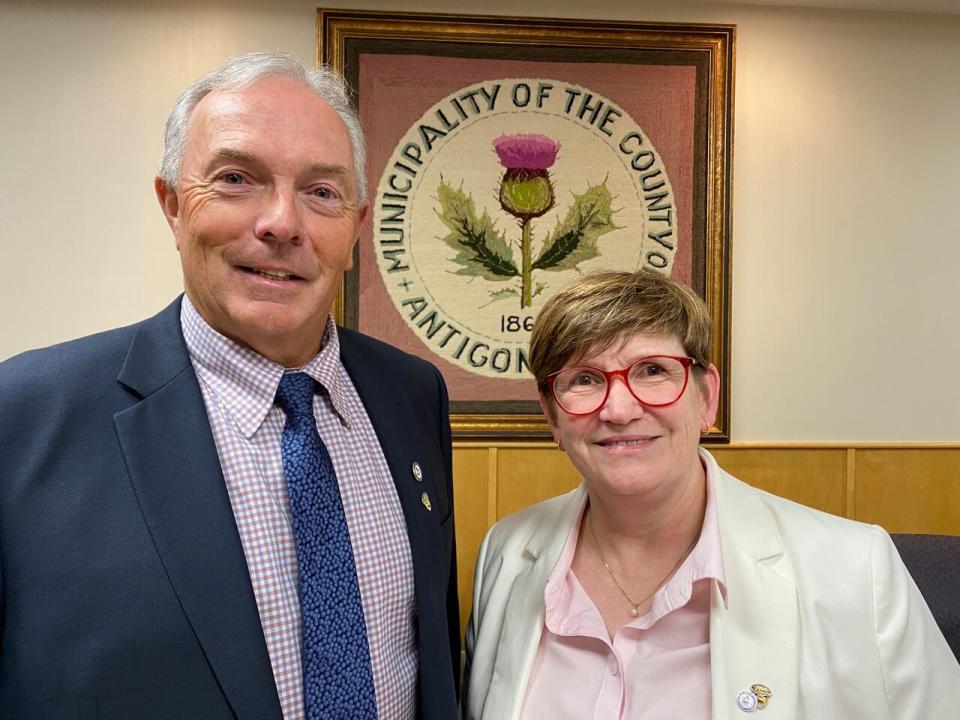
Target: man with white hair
[[234, 509]]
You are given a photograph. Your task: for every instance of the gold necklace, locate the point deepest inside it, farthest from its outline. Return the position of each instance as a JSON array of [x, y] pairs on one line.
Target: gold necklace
[[634, 612]]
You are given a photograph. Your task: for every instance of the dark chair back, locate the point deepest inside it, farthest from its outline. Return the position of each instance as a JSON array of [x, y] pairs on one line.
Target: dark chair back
[[934, 563]]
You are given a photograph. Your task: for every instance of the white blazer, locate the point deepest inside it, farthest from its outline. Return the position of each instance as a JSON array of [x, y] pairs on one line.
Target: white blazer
[[819, 609]]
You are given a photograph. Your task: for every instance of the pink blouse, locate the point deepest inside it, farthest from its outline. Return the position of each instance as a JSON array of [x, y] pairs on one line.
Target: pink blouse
[[657, 666]]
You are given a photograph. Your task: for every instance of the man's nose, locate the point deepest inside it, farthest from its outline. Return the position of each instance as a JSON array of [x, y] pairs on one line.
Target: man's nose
[[279, 218]]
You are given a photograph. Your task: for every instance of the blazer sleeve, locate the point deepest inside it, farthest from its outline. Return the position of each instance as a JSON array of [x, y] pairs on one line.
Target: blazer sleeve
[[920, 673]]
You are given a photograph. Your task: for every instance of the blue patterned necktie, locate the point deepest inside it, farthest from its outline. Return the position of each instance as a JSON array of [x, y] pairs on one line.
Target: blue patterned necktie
[[337, 676]]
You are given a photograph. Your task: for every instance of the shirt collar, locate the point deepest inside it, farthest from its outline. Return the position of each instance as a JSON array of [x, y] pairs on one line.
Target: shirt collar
[[246, 382], [705, 562], [325, 368]]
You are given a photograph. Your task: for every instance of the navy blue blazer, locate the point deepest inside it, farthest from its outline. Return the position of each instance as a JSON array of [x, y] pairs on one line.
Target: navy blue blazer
[[124, 591]]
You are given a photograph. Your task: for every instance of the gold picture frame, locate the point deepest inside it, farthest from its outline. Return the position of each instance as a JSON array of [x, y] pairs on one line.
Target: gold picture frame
[[401, 63]]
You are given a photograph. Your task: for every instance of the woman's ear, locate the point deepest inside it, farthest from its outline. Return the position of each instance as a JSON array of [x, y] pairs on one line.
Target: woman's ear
[[710, 390], [550, 413]]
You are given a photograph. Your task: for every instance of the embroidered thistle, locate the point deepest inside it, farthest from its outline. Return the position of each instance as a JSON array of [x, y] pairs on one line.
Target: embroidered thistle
[[525, 189], [526, 192]]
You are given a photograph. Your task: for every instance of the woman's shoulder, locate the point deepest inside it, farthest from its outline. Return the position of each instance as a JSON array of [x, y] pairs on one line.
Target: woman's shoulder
[[553, 515], [809, 531]]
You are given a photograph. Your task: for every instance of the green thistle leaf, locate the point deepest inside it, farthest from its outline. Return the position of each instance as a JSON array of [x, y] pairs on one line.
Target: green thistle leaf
[[501, 295], [574, 239], [482, 251]]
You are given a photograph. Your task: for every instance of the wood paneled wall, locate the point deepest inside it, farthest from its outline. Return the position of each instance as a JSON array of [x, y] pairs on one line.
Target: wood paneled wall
[[902, 488]]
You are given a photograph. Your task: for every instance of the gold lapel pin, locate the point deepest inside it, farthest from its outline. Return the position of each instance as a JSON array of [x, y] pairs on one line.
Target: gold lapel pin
[[756, 698], [425, 499]]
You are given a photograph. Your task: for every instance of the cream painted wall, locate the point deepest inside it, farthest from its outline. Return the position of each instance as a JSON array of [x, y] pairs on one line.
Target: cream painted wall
[[846, 190]]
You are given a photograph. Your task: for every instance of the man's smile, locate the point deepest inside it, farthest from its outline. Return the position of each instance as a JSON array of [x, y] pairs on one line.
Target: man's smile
[[271, 274]]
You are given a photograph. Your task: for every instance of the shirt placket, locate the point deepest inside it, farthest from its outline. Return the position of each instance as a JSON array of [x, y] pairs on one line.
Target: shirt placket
[[610, 699]]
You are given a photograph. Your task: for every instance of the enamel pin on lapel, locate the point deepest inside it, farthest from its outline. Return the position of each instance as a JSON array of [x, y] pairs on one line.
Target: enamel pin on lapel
[[756, 698], [418, 476]]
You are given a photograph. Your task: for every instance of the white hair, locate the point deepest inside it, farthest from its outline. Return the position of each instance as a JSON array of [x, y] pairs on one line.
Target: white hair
[[244, 70]]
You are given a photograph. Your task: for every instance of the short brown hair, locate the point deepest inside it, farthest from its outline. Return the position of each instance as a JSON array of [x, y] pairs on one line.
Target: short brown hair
[[594, 310]]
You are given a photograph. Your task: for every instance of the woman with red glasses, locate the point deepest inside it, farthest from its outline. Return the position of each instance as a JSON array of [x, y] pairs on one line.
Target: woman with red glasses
[[663, 587]]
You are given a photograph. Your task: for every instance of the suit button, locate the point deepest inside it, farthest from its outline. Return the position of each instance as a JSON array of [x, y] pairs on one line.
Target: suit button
[[417, 472]]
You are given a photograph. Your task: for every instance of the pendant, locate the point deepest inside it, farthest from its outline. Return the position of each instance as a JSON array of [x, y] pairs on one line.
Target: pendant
[[634, 612]]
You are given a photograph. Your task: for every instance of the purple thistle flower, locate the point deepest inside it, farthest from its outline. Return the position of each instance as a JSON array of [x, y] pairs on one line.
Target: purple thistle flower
[[526, 152]]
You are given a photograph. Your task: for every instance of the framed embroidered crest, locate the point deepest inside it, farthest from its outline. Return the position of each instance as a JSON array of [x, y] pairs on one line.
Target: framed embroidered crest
[[508, 155]]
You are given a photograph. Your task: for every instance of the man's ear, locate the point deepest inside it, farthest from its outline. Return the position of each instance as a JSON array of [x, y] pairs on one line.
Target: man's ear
[[362, 214], [169, 202]]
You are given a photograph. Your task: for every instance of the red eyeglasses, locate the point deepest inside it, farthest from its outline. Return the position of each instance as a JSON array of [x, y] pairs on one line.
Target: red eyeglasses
[[655, 381]]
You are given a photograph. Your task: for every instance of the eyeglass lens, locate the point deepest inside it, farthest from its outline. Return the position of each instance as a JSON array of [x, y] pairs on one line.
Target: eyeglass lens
[[653, 380]]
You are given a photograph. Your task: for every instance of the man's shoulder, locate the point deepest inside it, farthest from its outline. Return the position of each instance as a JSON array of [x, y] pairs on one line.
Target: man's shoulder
[[67, 385], [68, 360], [354, 345], [75, 364]]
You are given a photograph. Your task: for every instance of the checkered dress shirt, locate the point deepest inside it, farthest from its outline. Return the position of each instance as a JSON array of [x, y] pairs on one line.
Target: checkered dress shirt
[[238, 388]]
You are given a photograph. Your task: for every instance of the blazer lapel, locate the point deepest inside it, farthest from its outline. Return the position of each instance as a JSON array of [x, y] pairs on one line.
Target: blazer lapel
[[389, 415], [524, 613], [175, 471], [392, 420], [754, 636]]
